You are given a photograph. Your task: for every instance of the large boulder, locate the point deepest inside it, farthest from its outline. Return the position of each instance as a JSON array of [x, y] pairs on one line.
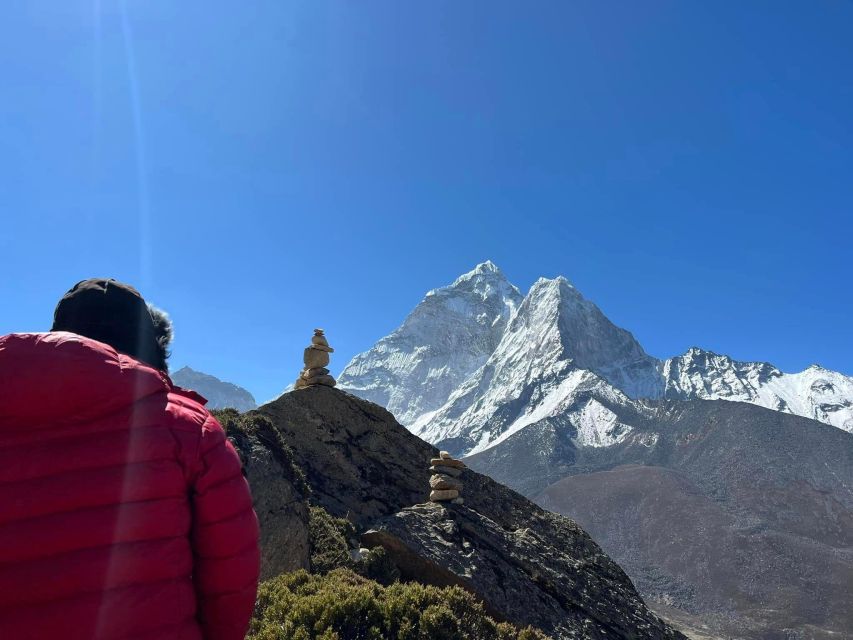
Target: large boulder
[[562, 584], [360, 463]]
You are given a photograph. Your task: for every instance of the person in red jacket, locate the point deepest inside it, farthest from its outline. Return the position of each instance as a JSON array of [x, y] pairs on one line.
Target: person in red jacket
[[123, 509]]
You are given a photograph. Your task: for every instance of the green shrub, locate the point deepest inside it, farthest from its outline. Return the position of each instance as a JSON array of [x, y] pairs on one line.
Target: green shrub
[[377, 565], [330, 541], [342, 605]]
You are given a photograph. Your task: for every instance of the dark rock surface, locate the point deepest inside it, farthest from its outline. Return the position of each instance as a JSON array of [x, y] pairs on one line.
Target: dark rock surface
[[279, 494], [362, 465], [562, 584], [738, 517]]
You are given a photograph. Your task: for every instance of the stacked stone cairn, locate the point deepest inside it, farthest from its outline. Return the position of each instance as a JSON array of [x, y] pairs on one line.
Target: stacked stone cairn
[[444, 483], [316, 358]]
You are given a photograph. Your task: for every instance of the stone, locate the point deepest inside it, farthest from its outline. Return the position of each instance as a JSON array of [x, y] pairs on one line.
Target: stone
[[448, 471], [439, 495], [321, 347], [326, 380], [447, 462], [446, 455], [459, 500], [357, 555], [315, 358], [441, 481]]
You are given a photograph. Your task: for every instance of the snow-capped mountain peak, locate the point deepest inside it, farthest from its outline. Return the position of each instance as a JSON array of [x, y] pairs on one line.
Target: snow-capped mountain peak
[[556, 344], [475, 362], [448, 336], [815, 392]]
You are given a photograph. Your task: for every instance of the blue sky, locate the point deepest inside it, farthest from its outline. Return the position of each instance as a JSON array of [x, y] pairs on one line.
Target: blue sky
[[262, 168]]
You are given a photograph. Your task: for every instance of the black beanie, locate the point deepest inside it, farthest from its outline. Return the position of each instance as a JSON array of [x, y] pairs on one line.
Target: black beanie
[[114, 313]]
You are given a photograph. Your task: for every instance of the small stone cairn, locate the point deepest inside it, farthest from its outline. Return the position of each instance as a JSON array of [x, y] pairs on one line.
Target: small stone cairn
[[316, 358], [444, 483]]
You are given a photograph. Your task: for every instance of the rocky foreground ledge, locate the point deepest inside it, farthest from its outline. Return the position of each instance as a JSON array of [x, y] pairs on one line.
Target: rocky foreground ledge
[[351, 457], [520, 575]]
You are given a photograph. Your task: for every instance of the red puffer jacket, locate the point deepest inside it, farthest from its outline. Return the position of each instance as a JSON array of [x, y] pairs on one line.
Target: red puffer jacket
[[123, 510]]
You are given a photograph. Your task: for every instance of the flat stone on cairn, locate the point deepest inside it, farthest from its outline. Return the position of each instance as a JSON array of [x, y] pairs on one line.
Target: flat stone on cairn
[[444, 483], [316, 358]]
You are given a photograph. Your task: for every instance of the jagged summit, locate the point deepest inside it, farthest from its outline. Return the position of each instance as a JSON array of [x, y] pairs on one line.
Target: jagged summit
[[557, 282], [447, 336], [476, 356], [486, 267], [481, 277]]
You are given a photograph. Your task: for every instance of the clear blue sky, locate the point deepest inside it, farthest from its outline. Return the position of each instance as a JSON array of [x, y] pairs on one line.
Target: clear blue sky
[[262, 168]]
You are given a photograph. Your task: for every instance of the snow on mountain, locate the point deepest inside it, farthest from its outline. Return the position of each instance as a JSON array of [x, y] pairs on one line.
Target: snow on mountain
[[550, 351], [448, 336], [475, 363], [816, 393], [219, 394]]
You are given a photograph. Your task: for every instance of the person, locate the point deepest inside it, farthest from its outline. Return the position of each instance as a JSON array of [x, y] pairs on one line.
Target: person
[[124, 512]]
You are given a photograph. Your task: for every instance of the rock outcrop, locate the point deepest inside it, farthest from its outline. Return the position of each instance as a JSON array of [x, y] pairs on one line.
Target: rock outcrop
[[279, 492], [361, 464], [525, 575]]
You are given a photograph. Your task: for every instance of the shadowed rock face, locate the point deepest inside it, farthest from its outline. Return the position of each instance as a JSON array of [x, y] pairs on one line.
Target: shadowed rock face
[[361, 464], [558, 581], [279, 498]]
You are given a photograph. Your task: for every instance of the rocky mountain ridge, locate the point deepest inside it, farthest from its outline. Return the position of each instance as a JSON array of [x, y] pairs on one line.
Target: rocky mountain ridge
[[817, 393], [219, 394], [475, 360]]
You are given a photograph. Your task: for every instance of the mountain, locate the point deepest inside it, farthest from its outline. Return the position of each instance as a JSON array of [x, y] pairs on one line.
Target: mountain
[[446, 338], [528, 566], [816, 393], [738, 517], [550, 348], [219, 394], [475, 360]]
